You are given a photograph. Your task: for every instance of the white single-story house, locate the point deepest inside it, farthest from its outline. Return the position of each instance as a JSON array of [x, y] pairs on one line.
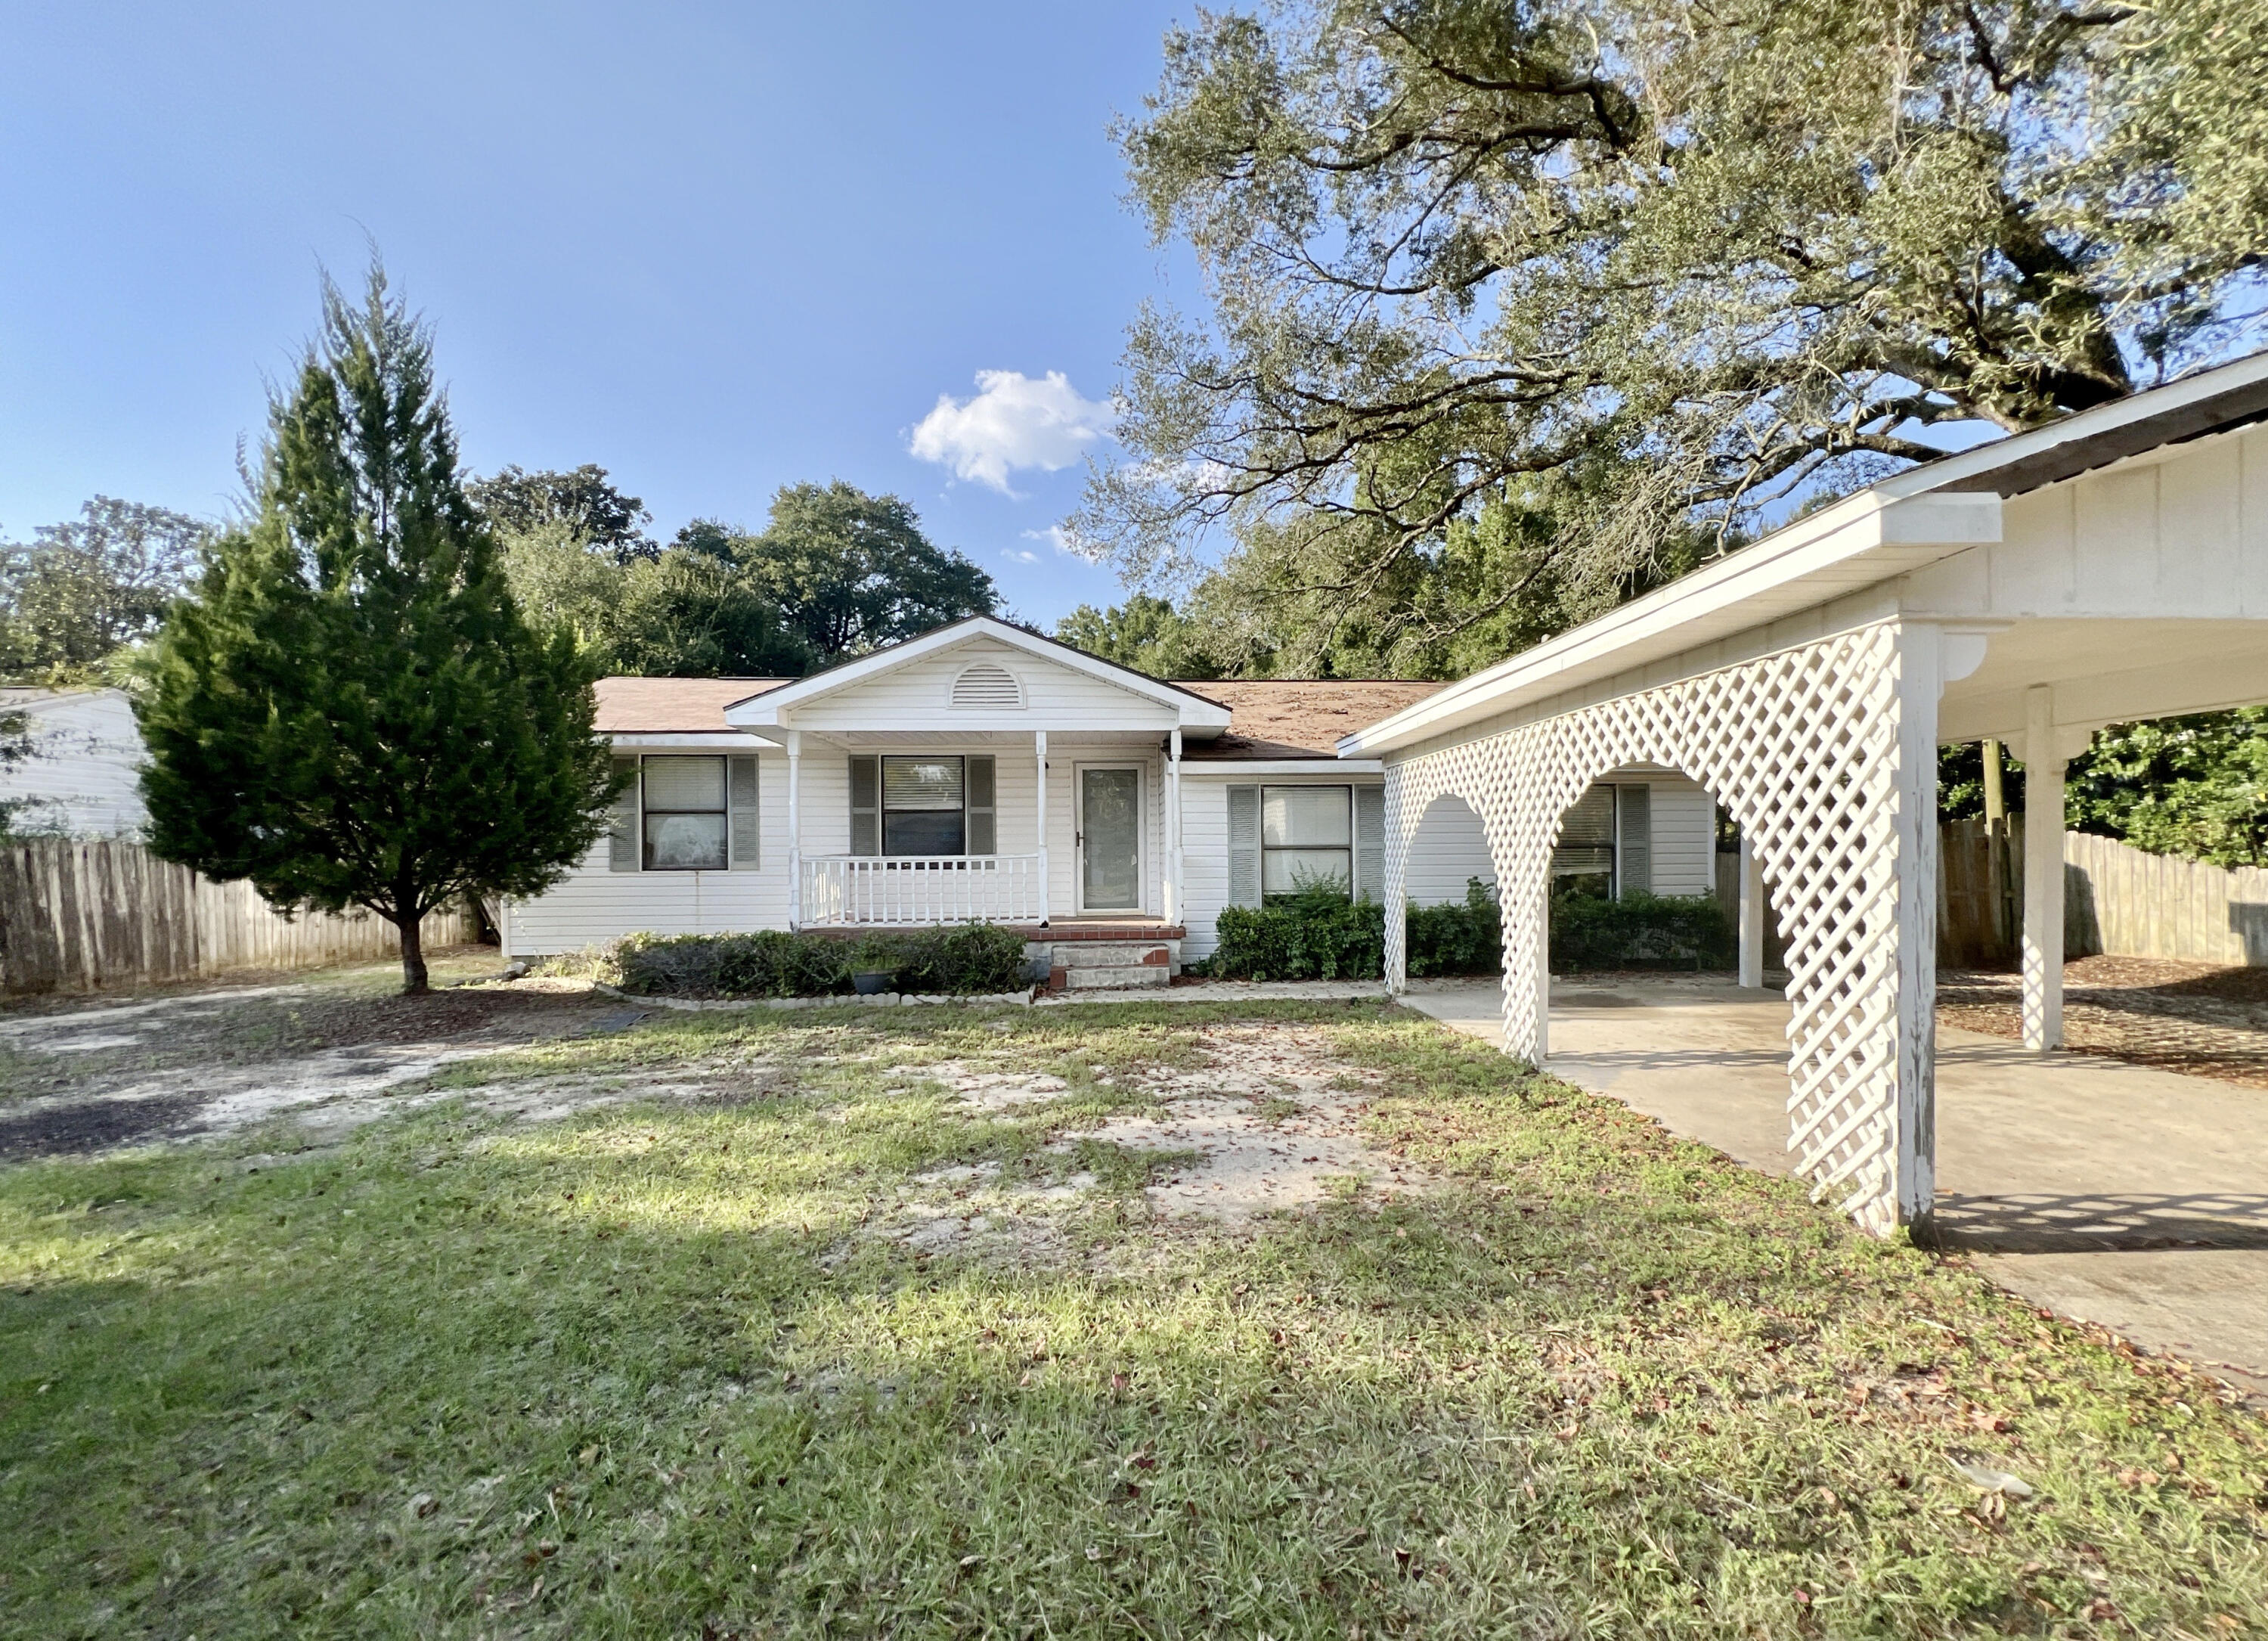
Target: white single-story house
[[83, 776], [982, 772]]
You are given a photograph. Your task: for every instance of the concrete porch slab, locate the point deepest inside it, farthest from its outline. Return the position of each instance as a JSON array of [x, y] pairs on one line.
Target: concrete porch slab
[[2131, 1197]]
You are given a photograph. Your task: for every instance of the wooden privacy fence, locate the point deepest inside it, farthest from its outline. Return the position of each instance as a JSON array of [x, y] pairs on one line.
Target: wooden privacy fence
[[2116, 899], [86, 916]]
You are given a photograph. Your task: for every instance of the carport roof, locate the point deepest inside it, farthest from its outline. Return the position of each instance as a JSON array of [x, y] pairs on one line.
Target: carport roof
[[1910, 520]]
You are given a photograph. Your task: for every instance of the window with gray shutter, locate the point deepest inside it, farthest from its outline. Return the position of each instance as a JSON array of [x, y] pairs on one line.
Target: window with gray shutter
[[983, 831], [623, 831], [1633, 841], [1587, 836], [1370, 843], [866, 806], [748, 818], [1244, 846]]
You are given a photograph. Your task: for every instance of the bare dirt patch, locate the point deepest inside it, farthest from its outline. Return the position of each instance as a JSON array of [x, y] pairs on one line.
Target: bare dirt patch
[[2199, 1019], [1267, 1122], [335, 1050]]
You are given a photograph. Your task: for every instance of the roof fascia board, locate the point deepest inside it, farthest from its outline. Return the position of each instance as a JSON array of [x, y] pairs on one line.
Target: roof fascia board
[[634, 738], [1970, 467], [764, 710], [1832, 537], [1234, 769]]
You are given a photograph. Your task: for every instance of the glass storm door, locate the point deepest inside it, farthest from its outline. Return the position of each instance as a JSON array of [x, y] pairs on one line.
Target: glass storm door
[[1111, 839]]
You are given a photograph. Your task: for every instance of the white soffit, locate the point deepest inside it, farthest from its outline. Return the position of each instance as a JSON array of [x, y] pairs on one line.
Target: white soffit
[[1910, 520]]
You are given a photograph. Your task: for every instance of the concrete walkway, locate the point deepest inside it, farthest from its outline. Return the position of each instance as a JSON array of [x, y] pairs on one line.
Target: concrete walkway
[[2109, 1193]]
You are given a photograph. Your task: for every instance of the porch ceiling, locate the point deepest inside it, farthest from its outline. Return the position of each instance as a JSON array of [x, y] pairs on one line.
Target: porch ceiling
[[2108, 672]]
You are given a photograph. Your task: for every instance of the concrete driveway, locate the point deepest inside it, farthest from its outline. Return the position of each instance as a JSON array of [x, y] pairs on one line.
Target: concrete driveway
[[2112, 1194]]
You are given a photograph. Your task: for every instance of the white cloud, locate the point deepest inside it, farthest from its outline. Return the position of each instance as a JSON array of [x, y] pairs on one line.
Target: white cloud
[[1056, 537], [1014, 422], [1017, 555]]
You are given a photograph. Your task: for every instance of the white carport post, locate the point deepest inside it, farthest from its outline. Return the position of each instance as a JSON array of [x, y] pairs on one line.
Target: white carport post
[[2042, 959], [1752, 916], [795, 829], [1040, 786]]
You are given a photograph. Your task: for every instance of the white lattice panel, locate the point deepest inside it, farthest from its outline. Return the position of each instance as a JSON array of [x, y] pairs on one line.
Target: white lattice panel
[[1804, 747]]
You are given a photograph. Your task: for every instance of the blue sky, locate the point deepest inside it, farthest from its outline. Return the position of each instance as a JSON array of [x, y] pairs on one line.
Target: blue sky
[[713, 249]]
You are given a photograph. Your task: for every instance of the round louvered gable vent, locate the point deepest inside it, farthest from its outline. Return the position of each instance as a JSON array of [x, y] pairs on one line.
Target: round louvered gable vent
[[987, 683]]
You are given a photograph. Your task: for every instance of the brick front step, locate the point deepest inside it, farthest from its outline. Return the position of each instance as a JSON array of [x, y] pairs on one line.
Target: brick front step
[[1085, 962]]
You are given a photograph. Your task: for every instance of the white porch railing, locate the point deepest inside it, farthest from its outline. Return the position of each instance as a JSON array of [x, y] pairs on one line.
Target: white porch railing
[[855, 889]]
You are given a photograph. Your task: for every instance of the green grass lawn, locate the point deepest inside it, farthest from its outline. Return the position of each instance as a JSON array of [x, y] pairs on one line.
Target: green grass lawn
[[661, 1368]]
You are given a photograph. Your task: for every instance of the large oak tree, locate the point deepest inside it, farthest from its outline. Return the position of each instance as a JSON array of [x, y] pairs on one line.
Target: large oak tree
[[1514, 307]]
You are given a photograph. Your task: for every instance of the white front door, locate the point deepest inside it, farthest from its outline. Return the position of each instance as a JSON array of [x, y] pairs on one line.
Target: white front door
[[1110, 838]]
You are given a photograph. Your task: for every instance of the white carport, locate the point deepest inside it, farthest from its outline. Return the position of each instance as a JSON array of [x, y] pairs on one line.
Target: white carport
[[2111, 568]]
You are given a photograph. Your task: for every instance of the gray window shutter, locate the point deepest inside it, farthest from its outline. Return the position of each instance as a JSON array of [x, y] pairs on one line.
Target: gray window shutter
[[981, 807], [622, 832], [1634, 840], [1244, 846], [866, 806], [748, 817], [1370, 843]]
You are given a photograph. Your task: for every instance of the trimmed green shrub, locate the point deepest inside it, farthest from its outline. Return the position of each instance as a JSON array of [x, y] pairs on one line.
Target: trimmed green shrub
[[1590, 930], [975, 958], [1315, 935], [1463, 937]]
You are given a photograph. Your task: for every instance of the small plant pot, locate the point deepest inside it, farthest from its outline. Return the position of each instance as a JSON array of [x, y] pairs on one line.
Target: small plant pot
[[872, 985]]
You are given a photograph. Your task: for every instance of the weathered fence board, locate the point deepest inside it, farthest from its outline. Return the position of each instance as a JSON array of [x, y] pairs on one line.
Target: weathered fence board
[[2138, 905], [2116, 899], [88, 916]]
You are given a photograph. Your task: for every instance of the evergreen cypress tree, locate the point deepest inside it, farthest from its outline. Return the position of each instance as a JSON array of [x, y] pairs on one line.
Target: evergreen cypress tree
[[349, 709]]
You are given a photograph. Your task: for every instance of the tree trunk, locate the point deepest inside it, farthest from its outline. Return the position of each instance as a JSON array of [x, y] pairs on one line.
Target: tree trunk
[[413, 959]]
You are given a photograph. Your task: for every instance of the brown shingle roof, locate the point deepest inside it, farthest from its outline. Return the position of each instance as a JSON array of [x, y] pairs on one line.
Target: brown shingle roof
[[1269, 717], [673, 706], [1299, 717]]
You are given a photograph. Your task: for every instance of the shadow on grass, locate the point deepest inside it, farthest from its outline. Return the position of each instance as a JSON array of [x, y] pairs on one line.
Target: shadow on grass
[[650, 1371]]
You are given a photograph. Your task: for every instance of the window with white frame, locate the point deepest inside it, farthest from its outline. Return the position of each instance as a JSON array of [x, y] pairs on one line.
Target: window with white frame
[[684, 806], [1307, 837]]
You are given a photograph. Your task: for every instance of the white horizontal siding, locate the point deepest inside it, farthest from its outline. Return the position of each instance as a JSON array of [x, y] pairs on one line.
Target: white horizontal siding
[[1205, 847], [83, 776], [593, 904], [1684, 838], [918, 695], [1205, 862], [1450, 849]]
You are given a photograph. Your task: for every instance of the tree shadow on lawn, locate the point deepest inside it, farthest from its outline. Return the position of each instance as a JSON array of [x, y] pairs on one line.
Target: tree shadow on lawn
[[648, 1371]]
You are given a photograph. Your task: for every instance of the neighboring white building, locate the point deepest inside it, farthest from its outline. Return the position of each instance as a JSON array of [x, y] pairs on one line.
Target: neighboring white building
[[982, 772], [83, 777]]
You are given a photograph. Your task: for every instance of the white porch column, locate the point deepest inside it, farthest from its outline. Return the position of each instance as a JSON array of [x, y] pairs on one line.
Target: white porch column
[[1922, 663], [1173, 828], [2043, 954], [1752, 916], [1040, 786], [795, 829]]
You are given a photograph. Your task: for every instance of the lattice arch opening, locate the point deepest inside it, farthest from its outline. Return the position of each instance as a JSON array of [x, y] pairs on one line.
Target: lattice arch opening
[[1804, 747]]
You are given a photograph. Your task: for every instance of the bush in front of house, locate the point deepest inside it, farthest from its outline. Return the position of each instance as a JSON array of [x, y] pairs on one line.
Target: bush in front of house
[[1591, 930], [969, 959], [1460, 938], [1315, 935]]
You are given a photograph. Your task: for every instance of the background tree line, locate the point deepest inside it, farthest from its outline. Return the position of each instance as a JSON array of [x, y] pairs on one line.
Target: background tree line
[[834, 573]]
